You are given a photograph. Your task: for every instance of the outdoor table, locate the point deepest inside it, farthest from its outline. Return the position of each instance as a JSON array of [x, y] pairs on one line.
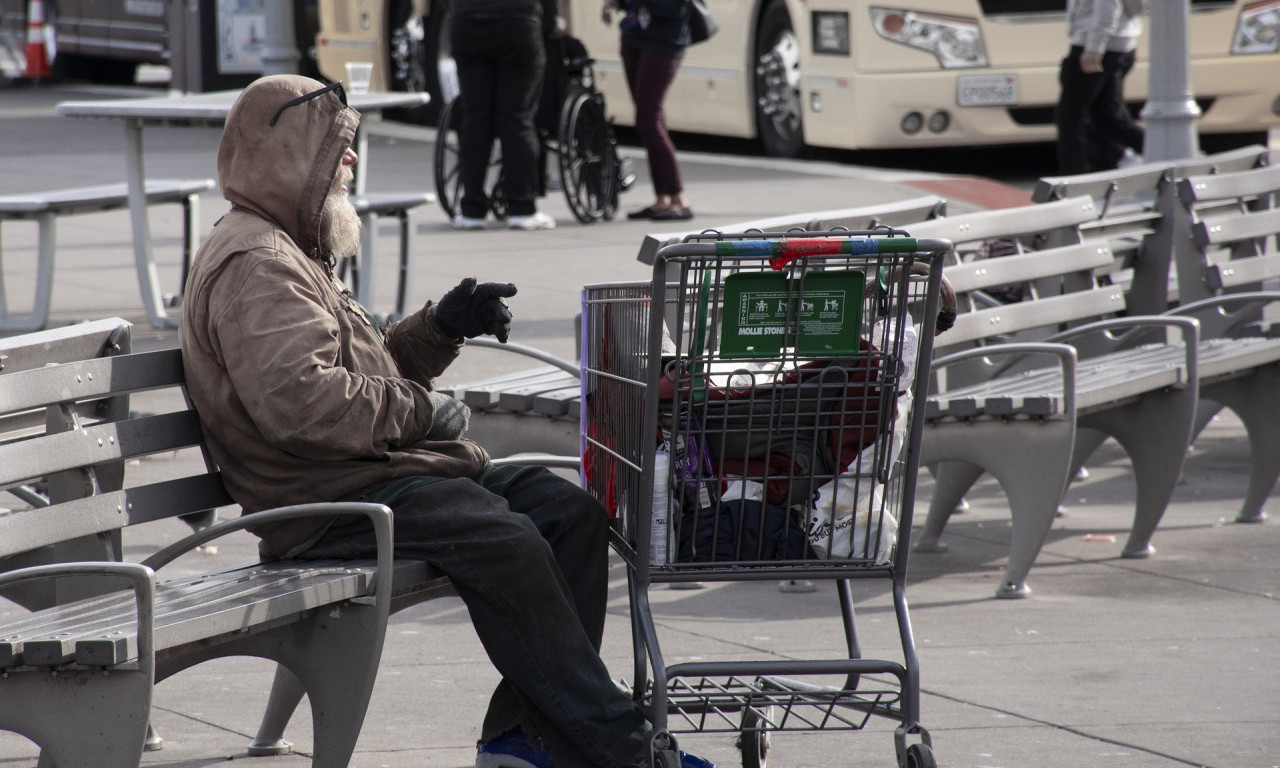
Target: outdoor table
[[204, 109]]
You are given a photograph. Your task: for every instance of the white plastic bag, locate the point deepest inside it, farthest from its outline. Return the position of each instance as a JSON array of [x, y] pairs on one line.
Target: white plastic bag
[[856, 500], [852, 502]]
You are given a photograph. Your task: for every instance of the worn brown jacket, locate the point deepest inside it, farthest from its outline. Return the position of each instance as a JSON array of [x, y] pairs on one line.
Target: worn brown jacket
[[299, 397]]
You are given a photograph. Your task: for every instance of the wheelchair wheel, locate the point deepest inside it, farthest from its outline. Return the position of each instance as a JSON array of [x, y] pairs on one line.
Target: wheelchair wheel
[[588, 158], [448, 167], [448, 171]]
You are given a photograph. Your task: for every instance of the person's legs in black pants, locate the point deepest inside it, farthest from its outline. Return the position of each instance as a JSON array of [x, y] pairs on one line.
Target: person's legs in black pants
[[1109, 116], [1078, 91], [528, 553], [518, 69], [476, 83]]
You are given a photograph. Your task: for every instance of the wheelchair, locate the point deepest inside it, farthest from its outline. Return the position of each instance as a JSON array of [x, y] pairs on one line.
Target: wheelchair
[[572, 128]]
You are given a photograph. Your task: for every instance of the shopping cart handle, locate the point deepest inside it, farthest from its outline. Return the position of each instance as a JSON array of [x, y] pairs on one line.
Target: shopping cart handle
[[786, 250]]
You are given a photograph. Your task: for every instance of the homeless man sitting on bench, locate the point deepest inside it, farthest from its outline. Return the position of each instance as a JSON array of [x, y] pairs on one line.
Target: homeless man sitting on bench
[[303, 399]]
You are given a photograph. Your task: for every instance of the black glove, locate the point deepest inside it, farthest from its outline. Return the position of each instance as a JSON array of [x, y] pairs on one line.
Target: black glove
[[450, 418], [470, 310]]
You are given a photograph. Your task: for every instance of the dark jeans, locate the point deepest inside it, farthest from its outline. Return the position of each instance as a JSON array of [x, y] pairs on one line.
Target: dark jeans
[[1094, 126], [527, 552], [500, 62], [649, 75]]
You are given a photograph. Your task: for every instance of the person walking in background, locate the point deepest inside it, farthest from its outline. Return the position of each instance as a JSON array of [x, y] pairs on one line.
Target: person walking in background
[[1095, 131], [654, 36], [498, 47]]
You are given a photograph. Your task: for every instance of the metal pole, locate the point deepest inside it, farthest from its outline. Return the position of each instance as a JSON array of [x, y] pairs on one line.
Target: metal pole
[[1171, 111], [279, 45]]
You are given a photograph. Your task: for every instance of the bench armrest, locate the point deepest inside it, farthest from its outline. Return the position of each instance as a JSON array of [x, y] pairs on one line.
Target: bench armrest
[[144, 595], [527, 351], [1220, 315], [378, 514], [1188, 327], [1065, 353]]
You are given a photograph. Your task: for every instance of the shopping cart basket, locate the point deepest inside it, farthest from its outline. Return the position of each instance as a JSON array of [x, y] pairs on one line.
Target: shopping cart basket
[[747, 416]]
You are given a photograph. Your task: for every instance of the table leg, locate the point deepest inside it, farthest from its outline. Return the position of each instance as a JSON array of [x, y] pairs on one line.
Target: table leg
[[143, 255], [361, 148]]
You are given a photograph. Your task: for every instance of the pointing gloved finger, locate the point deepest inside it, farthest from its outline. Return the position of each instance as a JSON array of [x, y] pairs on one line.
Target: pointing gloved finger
[[495, 290]]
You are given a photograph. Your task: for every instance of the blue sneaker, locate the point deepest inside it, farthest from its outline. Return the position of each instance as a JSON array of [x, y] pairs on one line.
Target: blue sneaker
[[693, 761], [513, 750]]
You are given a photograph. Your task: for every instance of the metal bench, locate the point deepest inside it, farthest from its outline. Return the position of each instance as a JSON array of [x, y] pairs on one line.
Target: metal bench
[[1228, 271], [46, 207], [1016, 396], [93, 658], [1207, 237]]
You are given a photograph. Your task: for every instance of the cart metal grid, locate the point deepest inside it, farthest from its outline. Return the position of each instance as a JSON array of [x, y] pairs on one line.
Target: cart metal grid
[[759, 388]]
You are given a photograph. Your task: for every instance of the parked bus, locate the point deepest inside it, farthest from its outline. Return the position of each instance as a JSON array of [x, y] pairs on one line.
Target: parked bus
[[849, 74], [861, 74]]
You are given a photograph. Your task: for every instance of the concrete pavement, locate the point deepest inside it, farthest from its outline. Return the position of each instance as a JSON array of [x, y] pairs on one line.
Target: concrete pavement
[[1111, 663]]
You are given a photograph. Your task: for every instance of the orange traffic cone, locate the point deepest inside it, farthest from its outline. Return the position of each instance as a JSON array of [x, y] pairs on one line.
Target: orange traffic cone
[[37, 56]]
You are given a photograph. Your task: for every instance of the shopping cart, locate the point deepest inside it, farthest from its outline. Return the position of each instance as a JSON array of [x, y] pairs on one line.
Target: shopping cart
[[747, 416]]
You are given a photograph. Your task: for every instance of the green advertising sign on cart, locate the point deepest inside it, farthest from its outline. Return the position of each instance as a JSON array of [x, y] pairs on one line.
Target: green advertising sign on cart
[[818, 314]]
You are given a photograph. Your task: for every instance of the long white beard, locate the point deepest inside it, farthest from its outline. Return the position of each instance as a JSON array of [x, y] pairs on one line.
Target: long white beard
[[340, 226]]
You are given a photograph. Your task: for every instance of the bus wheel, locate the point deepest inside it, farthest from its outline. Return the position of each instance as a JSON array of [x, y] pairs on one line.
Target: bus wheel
[[779, 120]]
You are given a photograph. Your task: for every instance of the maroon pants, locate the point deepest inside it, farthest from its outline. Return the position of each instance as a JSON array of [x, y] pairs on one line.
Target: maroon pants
[[649, 75]]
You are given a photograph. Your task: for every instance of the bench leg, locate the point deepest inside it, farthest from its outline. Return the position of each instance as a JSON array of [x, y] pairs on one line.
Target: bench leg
[[190, 237], [1030, 460], [333, 654], [405, 287], [38, 317], [364, 266], [286, 694], [1155, 432], [1253, 399], [80, 719]]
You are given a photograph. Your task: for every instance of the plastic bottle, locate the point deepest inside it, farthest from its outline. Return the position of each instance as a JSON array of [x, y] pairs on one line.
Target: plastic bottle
[[660, 525]]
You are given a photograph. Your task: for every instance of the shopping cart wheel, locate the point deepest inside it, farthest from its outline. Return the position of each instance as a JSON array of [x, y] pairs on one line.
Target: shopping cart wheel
[[753, 741], [920, 756]]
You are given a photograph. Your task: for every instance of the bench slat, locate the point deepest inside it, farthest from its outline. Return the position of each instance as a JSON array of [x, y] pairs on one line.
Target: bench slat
[[1006, 319], [522, 398], [1230, 229], [43, 456], [1024, 267], [1242, 272], [95, 378], [28, 529], [97, 198]]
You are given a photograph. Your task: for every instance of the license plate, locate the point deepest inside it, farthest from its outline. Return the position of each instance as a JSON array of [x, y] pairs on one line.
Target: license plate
[[986, 90]]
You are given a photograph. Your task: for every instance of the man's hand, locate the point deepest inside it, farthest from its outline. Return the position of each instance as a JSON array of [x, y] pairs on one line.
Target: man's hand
[[470, 310], [1091, 62], [449, 419]]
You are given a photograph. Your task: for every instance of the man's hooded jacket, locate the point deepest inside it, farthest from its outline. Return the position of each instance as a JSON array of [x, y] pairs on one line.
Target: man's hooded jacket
[[299, 397]]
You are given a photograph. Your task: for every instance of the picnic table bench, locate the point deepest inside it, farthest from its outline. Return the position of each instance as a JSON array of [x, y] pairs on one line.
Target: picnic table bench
[[89, 656], [46, 207]]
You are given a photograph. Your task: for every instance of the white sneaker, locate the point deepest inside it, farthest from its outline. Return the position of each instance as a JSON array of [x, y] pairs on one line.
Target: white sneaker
[[1130, 159], [537, 220], [467, 223]]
